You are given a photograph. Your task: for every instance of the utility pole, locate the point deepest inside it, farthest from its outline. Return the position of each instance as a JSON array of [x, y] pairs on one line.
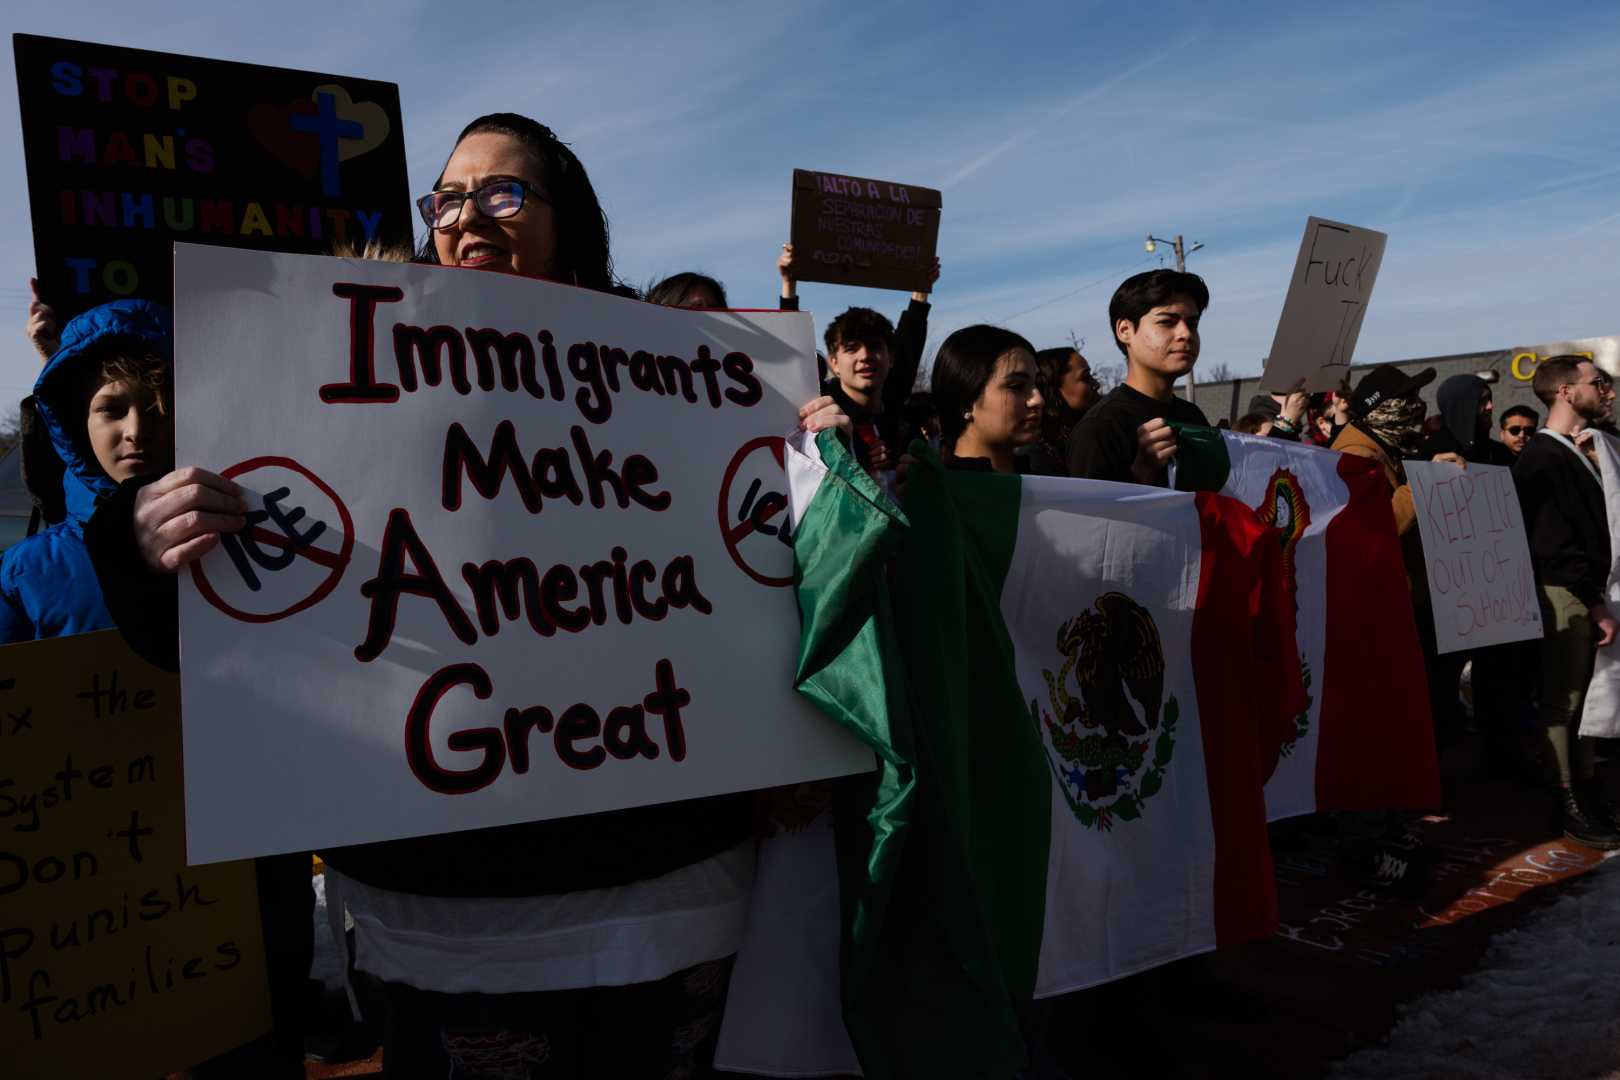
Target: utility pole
[[1182, 251]]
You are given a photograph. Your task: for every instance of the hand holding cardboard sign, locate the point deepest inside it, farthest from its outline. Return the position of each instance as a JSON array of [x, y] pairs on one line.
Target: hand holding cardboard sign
[[179, 517], [921, 295], [42, 328], [784, 266], [1291, 406]]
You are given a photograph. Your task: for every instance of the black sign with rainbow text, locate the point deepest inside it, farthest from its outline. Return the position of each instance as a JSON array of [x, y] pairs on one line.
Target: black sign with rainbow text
[[130, 151]]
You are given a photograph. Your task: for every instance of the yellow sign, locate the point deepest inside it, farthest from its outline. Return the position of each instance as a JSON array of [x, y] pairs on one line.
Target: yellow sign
[[1602, 351], [1525, 363], [115, 958]]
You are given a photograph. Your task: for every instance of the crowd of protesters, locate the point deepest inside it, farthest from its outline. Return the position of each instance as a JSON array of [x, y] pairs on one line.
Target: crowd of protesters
[[601, 945]]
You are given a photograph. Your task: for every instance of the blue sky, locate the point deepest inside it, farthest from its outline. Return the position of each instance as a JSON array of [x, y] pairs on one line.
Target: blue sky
[[1485, 140]]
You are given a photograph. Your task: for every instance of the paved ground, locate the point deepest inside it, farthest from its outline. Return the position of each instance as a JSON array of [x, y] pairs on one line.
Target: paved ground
[[1350, 957]]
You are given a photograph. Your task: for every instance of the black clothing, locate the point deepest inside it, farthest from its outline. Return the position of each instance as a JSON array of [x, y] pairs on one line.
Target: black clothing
[[1483, 451], [144, 606], [1026, 464], [1564, 517], [1041, 458], [1102, 445], [910, 337], [593, 851], [1462, 432]]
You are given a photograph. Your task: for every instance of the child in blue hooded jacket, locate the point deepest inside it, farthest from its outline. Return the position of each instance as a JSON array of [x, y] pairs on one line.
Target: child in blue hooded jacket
[[103, 401]]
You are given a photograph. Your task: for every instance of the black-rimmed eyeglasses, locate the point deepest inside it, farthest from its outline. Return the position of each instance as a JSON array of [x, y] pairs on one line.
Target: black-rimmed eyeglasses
[[496, 199]]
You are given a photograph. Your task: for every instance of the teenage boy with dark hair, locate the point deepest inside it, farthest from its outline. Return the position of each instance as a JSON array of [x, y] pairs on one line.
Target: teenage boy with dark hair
[[860, 355], [873, 401], [1561, 497], [1127, 436], [1518, 424]]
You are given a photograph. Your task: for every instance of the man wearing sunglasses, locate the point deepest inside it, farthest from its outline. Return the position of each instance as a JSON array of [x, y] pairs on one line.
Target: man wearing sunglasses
[[1561, 496], [1518, 424]]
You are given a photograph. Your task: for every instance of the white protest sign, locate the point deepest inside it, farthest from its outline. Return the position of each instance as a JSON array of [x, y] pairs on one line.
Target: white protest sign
[[1600, 713], [1476, 554], [517, 550], [1327, 299]]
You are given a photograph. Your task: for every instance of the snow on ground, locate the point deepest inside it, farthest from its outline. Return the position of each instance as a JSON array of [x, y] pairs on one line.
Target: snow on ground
[[1543, 1003]]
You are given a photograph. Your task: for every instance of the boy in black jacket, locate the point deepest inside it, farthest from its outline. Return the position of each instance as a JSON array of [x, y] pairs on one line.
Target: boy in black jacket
[[876, 389], [1561, 496], [1125, 437]]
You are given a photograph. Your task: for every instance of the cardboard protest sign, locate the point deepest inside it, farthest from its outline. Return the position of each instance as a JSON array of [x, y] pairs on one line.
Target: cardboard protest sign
[[518, 551], [1327, 299], [128, 151], [852, 231], [116, 959], [1476, 553]]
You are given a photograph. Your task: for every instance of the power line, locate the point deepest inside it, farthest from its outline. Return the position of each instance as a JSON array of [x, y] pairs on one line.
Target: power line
[[1110, 276]]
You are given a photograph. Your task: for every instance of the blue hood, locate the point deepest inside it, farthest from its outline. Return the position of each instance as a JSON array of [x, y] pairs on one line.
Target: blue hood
[[141, 323]]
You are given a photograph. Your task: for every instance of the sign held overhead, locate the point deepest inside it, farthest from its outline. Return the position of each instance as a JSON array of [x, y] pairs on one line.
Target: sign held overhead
[[129, 151], [1327, 300], [848, 230]]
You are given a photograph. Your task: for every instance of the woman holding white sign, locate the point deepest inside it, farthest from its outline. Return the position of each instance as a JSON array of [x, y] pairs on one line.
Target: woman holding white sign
[[594, 945]]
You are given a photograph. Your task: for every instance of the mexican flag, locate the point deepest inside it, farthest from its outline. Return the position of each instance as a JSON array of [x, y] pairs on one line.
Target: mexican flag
[[1365, 740], [1066, 684]]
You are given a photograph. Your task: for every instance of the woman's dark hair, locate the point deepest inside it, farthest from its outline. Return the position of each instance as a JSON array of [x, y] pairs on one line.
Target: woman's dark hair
[[962, 368], [582, 228], [1050, 364], [673, 290], [1141, 293]]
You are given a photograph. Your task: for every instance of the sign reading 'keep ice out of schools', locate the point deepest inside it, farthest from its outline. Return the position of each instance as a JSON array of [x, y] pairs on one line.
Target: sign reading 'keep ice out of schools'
[[129, 151], [116, 958], [1333, 280], [852, 231], [516, 550], [1476, 555]]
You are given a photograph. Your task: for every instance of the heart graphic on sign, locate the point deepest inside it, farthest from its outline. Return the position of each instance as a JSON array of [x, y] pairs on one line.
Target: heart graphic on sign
[[372, 118], [272, 128]]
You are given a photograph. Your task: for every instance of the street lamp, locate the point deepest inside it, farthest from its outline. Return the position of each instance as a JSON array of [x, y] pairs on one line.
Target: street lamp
[[1180, 249]]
